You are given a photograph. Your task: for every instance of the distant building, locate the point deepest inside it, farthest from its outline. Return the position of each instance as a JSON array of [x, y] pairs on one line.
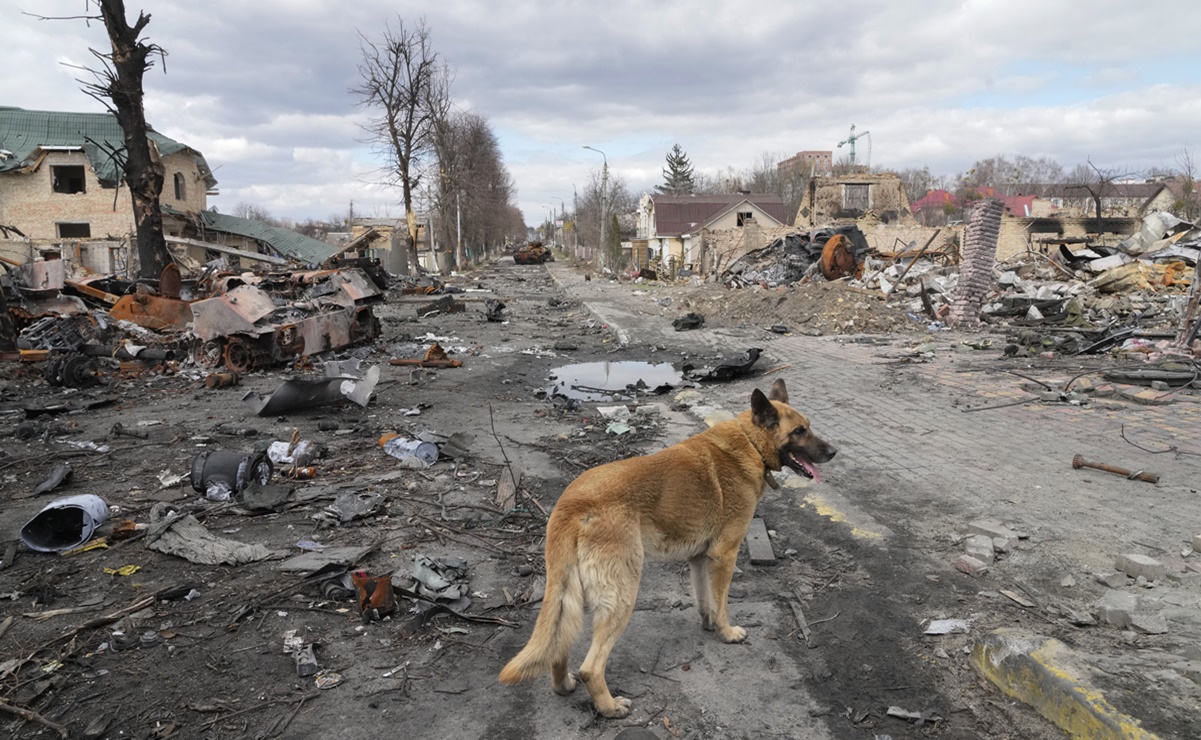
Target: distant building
[[704, 232], [807, 164]]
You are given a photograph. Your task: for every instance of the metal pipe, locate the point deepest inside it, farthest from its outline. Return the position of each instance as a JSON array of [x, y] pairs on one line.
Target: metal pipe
[[1079, 462]]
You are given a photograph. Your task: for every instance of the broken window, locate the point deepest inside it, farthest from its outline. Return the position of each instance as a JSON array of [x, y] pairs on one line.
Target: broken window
[[855, 197], [745, 217], [66, 178], [74, 230], [180, 189]]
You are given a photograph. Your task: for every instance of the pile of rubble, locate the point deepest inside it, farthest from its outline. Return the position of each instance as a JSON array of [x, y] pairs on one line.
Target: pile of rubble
[[219, 318], [1140, 295]]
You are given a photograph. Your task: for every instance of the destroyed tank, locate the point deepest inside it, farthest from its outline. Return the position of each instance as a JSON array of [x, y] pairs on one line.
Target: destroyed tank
[[533, 253], [258, 321]]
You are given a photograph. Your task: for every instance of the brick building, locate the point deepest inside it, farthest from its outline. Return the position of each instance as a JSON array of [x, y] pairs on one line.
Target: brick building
[[807, 164], [60, 185]]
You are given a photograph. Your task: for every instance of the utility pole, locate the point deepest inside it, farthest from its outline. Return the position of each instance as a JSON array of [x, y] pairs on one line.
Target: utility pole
[[459, 230], [604, 193]]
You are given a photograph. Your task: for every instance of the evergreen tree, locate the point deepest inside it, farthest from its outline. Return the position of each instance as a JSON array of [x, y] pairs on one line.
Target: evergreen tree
[[677, 175]]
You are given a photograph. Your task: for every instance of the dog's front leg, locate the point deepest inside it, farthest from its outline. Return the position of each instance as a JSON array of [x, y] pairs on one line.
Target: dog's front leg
[[698, 567], [721, 572]]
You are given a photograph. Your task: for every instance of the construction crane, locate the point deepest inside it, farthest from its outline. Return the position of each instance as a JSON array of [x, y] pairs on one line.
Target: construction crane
[[856, 137]]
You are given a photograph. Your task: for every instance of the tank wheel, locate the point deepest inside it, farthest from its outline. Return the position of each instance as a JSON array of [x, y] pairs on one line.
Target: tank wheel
[[208, 354], [239, 357], [288, 342]]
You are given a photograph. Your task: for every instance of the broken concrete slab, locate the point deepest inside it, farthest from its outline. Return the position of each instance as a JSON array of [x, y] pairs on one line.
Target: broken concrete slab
[[1115, 608], [1053, 679], [1135, 565], [1148, 624], [980, 547]]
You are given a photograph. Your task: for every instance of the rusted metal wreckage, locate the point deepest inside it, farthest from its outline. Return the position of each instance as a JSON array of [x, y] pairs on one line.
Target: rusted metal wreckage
[[283, 317], [240, 321]]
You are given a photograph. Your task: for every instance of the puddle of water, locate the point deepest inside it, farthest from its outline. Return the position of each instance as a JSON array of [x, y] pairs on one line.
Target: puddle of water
[[611, 381]]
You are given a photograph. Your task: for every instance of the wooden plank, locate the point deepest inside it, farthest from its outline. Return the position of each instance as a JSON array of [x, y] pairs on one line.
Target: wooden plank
[[506, 488], [758, 544]]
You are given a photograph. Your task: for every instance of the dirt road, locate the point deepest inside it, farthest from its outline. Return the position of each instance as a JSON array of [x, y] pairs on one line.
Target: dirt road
[[864, 559]]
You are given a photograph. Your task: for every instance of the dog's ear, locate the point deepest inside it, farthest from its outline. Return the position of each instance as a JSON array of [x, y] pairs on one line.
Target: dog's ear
[[762, 411], [779, 392]]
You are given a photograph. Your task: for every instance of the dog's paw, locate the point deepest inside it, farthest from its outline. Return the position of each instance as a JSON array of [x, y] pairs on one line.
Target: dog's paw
[[567, 686], [733, 634], [618, 709], [707, 623]]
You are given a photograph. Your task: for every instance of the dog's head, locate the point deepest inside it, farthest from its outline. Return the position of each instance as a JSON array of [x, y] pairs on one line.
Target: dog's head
[[798, 447]]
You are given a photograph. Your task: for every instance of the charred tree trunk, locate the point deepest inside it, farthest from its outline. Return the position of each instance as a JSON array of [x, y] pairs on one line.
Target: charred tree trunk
[[142, 168], [8, 327]]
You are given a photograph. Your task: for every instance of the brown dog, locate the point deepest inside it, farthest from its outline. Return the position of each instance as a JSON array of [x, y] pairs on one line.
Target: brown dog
[[692, 501]]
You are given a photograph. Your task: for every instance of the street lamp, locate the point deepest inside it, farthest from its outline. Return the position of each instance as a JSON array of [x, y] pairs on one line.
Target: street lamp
[[604, 189]]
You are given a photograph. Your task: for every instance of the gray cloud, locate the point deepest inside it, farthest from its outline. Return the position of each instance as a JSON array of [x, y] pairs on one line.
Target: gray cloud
[[262, 87]]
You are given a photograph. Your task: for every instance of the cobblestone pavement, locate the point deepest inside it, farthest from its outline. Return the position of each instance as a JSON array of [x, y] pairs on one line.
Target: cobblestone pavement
[[931, 444]]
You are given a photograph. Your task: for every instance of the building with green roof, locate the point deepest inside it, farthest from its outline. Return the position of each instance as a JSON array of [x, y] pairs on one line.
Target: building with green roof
[[61, 187]]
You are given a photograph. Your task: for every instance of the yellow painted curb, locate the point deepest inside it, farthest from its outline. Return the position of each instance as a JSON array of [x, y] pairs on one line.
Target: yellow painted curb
[[829, 511], [1046, 674]]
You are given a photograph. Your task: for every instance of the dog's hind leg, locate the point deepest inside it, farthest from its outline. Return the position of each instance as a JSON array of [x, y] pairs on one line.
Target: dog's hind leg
[[698, 568], [611, 584]]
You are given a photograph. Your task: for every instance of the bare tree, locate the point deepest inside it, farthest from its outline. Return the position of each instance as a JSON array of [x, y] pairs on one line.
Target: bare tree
[[475, 191], [1098, 183], [1188, 202], [407, 89], [255, 213], [118, 87]]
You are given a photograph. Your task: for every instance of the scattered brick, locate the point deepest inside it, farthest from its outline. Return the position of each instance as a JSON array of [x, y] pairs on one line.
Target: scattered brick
[[1197, 542], [970, 565], [1113, 580], [1135, 565]]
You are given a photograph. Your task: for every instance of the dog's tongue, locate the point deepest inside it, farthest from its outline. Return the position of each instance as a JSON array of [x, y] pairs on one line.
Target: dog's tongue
[[809, 468]]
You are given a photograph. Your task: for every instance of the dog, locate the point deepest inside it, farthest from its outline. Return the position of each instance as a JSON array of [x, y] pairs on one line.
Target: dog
[[692, 501]]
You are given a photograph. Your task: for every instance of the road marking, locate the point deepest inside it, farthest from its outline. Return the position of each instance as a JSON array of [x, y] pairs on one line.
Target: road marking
[[824, 508]]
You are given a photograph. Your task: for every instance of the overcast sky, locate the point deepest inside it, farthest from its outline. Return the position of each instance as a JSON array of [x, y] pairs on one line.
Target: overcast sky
[[261, 86]]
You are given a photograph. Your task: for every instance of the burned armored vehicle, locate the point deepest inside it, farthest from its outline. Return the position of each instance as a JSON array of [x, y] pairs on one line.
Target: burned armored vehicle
[[252, 321]]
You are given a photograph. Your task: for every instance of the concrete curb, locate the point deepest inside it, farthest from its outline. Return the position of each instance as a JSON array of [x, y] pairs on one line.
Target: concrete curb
[[1046, 674]]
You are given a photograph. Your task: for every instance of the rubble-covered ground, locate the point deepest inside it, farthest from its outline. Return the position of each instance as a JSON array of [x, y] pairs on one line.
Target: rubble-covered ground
[[815, 309], [134, 639]]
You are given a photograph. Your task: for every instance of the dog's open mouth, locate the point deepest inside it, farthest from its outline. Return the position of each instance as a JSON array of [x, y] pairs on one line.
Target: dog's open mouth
[[803, 465]]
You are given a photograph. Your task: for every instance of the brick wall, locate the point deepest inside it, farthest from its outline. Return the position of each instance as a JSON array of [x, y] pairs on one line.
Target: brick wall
[[28, 200]]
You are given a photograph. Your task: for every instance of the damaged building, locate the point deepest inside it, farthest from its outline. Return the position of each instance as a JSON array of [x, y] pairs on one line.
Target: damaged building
[[61, 188], [705, 233], [239, 293]]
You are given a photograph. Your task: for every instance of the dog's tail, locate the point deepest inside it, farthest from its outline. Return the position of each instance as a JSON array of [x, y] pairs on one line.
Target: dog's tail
[[562, 616]]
